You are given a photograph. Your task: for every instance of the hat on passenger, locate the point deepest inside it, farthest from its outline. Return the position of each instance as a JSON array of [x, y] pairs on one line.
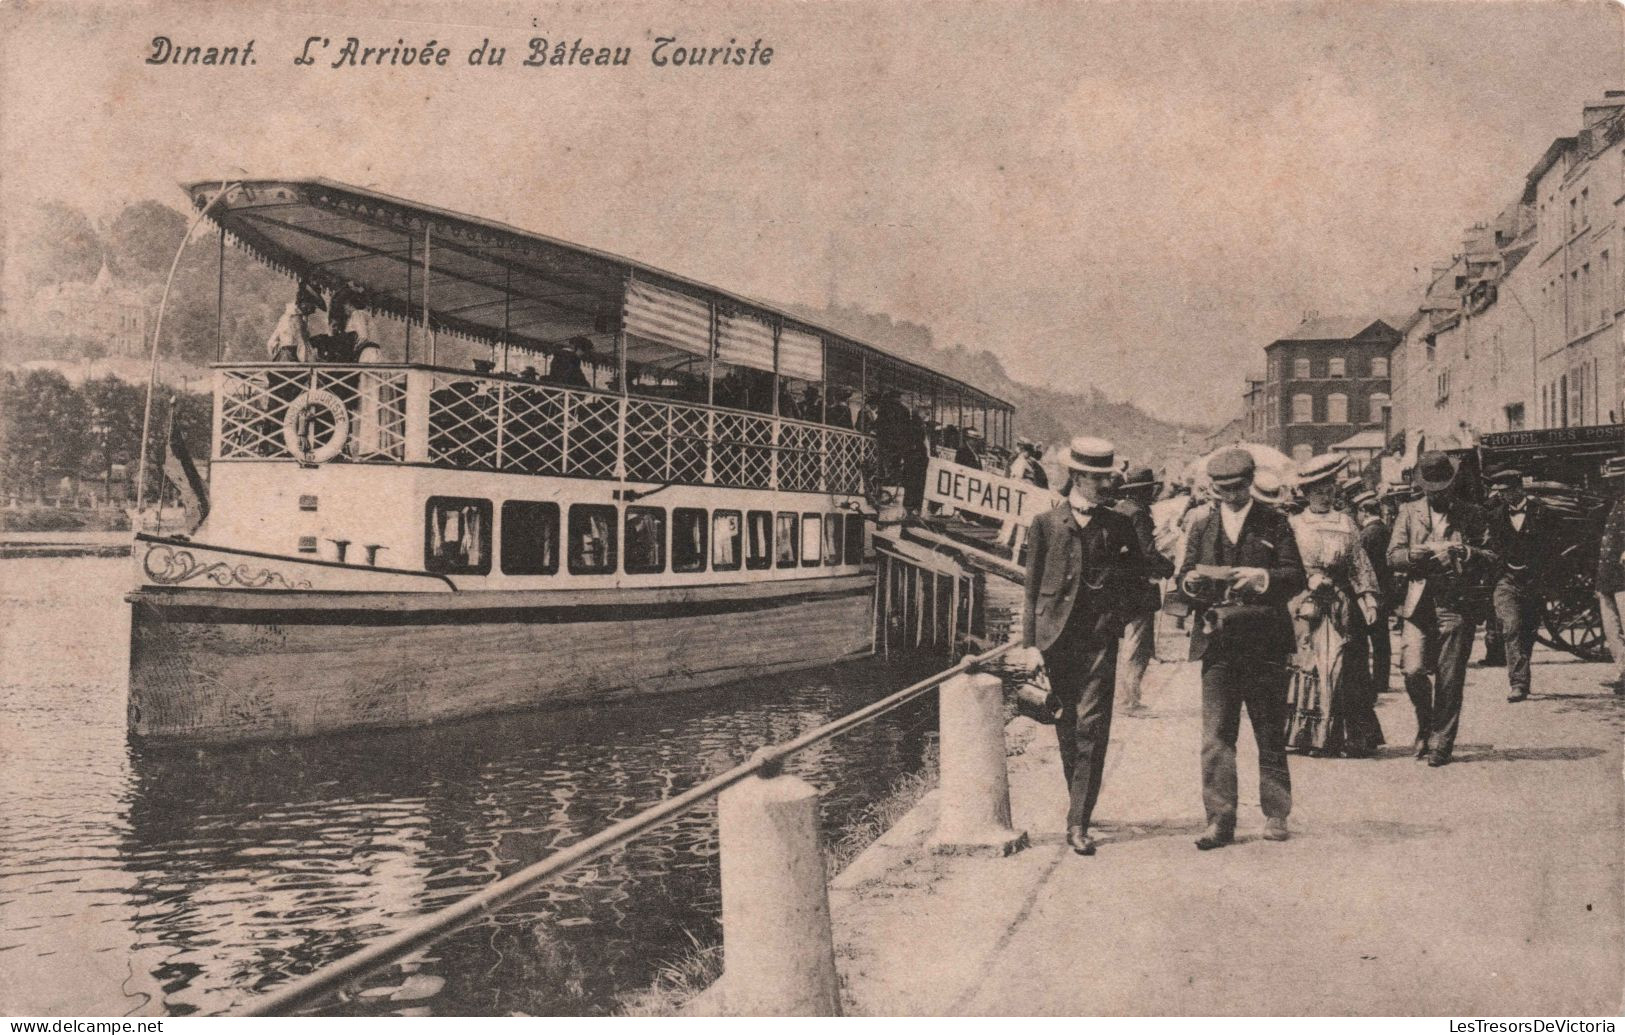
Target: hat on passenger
[[308, 295], [1139, 478], [581, 343], [1505, 476], [1091, 455], [1436, 471], [1364, 499], [1231, 468], [1268, 488], [1320, 468]]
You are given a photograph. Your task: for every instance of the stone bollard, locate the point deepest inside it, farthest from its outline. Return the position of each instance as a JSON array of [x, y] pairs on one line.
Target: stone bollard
[[777, 945], [973, 797]]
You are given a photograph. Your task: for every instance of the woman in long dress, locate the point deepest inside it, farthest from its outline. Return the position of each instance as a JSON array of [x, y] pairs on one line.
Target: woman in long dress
[[1332, 709]]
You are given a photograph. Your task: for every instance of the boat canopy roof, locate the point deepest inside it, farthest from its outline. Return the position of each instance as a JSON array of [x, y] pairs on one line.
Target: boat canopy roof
[[507, 287]]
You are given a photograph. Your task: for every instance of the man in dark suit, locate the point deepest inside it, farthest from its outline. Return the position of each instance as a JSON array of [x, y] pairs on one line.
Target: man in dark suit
[[1520, 533], [1083, 559], [1139, 635], [1441, 547], [1246, 558]]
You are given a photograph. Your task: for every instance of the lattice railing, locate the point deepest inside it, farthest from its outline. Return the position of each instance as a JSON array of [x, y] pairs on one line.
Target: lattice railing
[[469, 420], [259, 411]]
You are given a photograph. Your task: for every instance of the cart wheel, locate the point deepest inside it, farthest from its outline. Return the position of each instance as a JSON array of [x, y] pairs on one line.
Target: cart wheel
[[1574, 625]]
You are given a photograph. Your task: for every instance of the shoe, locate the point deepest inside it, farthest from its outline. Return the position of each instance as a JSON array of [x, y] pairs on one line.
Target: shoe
[[1436, 760], [1275, 829], [1421, 747], [1214, 837], [1515, 698], [1079, 839]]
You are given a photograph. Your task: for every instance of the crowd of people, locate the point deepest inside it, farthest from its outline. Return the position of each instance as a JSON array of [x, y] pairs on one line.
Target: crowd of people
[[1291, 586]]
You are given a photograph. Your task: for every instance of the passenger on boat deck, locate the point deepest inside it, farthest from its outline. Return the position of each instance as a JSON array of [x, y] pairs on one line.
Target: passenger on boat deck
[[788, 407], [530, 374], [290, 341], [566, 369], [350, 328], [812, 403]]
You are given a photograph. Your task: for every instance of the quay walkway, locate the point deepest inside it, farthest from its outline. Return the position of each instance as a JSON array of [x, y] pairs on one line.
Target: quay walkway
[[1489, 887]]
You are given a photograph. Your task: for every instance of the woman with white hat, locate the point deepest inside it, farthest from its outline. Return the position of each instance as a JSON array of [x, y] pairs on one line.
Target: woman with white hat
[[1332, 702]]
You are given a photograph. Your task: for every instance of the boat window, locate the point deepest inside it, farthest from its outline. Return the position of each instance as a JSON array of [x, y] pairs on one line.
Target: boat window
[[687, 539], [759, 550], [530, 538], [727, 531], [592, 539], [645, 540], [854, 539], [784, 534], [457, 536], [812, 539], [832, 539]]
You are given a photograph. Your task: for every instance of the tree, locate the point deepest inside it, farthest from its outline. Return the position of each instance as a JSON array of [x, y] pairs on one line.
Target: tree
[[46, 430], [142, 239], [54, 243]]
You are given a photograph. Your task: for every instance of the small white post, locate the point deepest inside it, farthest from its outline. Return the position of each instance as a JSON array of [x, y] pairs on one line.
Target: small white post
[[973, 797], [779, 950]]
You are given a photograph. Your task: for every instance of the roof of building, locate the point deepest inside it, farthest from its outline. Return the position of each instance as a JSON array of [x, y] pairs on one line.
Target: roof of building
[[1337, 328]]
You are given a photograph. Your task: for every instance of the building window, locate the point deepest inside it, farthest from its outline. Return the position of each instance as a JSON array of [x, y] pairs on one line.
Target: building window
[[812, 539], [1334, 367], [1514, 412], [1337, 408], [784, 534], [530, 538], [688, 539], [1378, 403], [1300, 368], [592, 540], [727, 532], [1605, 288], [1442, 386], [1303, 408], [759, 544], [1563, 401], [457, 536], [1379, 366]]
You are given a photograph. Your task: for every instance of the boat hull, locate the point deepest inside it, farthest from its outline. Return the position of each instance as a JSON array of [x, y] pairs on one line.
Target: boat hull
[[220, 666]]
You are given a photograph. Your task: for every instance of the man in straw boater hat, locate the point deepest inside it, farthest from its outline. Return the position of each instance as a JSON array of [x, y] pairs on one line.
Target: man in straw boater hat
[[1083, 559], [1441, 547], [1520, 534], [1246, 553], [1139, 635], [1610, 584]]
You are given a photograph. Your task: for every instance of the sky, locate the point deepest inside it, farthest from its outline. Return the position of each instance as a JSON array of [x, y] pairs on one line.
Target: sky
[[1129, 196]]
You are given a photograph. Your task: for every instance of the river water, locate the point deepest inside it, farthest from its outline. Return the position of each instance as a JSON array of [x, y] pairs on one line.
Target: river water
[[181, 882]]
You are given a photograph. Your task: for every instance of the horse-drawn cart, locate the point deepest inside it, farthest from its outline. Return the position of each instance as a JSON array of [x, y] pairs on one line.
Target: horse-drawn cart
[[1562, 468]]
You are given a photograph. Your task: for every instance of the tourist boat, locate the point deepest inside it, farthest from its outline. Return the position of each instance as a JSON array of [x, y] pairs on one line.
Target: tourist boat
[[434, 535]]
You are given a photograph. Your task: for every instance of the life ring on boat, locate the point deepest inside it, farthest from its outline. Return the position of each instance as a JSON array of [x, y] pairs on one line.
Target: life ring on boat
[[316, 427]]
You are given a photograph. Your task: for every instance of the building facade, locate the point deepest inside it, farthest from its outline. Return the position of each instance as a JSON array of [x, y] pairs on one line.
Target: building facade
[[1325, 381], [1522, 329]]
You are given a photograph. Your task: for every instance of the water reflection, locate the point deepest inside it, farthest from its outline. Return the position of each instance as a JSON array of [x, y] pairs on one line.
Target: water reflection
[[183, 881]]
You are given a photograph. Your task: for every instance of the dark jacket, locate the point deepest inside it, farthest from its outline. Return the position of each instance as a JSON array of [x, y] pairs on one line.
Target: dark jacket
[[1522, 551], [1465, 591], [1262, 626], [1069, 568], [1149, 596], [1374, 539]]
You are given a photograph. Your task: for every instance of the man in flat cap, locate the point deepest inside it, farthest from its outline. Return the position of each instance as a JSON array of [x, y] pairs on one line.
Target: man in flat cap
[[1441, 547], [1139, 635], [1083, 559], [1243, 641], [1520, 534]]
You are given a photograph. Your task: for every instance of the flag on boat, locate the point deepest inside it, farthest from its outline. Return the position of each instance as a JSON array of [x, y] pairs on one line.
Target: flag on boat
[[183, 474]]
